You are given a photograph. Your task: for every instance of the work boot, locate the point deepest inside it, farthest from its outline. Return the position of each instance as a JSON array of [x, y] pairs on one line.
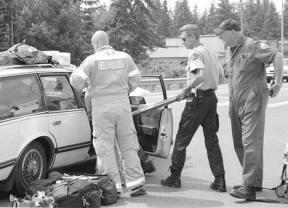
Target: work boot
[[171, 181], [148, 167], [257, 189], [244, 192], [219, 184]]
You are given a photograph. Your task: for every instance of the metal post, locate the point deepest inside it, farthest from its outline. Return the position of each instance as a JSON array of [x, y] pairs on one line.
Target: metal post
[[11, 24], [282, 28], [241, 16]]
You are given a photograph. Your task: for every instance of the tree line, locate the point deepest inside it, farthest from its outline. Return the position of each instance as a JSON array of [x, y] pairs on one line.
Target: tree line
[[135, 26]]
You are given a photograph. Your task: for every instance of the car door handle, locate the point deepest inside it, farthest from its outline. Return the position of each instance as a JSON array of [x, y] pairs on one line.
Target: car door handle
[[54, 123]]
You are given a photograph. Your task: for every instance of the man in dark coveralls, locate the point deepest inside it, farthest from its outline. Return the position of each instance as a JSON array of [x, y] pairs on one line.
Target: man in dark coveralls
[[245, 67]]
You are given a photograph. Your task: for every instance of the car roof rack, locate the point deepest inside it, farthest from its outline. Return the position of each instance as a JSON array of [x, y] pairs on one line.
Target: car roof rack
[[15, 66], [27, 65]]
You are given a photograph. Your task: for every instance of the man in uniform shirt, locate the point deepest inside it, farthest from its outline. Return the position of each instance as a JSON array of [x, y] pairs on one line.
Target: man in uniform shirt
[[111, 75], [245, 68], [205, 73]]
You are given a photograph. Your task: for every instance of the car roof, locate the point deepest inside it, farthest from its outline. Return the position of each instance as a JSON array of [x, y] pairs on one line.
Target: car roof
[[10, 70]]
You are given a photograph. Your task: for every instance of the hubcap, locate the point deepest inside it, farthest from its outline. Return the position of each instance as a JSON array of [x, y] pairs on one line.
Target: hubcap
[[32, 166]]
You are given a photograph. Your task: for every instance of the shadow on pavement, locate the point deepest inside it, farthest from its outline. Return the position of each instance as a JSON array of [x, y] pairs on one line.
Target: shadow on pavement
[[169, 201]]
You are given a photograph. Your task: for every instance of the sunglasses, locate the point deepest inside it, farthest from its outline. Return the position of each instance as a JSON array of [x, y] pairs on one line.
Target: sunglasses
[[184, 38]]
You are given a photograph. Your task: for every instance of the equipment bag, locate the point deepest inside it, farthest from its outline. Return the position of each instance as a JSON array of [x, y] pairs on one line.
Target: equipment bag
[[87, 195], [29, 55], [108, 189], [22, 53], [44, 184], [77, 190], [103, 183], [40, 185]]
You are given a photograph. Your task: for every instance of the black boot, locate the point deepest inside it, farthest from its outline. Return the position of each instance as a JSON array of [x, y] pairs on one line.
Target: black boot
[[219, 184], [173, 180], [148, 166]]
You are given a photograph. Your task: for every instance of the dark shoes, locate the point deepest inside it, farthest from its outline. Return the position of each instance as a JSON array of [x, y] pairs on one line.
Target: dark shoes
[[138, 191], [244, 192], [148, 167], [257, 189], [219, 184], [171, 181]]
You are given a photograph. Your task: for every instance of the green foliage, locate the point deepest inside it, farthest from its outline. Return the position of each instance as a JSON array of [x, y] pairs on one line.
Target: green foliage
[[202, 23], [161, 18], [131, 28], [250, 20], [168, 68], [285, 14], [261, 20], [195, 15], [182, 16], [50, 25], [211, 20], [4, 24], [134, 26], [166, 21], [226, 10], [271, 29]]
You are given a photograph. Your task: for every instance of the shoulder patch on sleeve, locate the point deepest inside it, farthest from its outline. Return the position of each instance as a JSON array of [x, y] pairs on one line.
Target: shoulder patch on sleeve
[[194, 55], [264, 46]]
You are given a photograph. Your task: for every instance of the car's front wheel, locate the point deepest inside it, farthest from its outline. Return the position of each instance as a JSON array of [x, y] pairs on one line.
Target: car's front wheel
[[31, 166]]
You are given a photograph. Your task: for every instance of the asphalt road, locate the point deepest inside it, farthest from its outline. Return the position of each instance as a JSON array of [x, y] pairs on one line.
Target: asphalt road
[[197, 176]]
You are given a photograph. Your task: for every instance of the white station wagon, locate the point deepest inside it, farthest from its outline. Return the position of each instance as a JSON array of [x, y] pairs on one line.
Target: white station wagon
[[44, 125]]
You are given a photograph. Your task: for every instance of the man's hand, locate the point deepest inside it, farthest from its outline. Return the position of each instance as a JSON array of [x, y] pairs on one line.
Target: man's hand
[[274, 89], [181, 96]]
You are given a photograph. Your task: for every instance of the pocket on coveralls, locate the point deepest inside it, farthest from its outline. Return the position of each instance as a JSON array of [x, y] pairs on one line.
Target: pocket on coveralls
[[131, 131], [252, 102], [98, 147]]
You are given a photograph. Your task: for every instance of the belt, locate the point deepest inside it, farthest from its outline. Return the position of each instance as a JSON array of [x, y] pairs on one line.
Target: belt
[[201, 93]]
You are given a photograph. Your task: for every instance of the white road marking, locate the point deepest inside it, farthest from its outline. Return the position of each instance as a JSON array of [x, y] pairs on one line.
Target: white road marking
[[271, 105]]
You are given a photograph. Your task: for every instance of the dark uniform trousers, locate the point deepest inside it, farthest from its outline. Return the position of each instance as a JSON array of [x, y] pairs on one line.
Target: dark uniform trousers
[[200, 109]]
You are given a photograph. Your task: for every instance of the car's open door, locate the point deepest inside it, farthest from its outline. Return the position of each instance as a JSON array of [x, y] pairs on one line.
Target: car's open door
[[154, 127]]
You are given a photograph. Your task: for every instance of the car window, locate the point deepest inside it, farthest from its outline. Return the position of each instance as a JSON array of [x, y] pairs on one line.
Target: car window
[[58, 93], [19, 96]]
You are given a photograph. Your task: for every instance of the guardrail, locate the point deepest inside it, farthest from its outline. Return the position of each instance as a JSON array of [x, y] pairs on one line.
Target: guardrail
[[153, 85]]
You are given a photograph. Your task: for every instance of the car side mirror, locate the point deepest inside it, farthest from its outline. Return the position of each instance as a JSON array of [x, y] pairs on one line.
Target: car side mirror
[[137, 100]]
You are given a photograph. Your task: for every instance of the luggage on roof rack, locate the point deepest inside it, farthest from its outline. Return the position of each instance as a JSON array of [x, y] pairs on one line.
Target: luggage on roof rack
[[22, 53]]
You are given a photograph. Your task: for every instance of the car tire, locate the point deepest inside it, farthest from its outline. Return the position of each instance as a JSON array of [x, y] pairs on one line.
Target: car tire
[[31, 166]]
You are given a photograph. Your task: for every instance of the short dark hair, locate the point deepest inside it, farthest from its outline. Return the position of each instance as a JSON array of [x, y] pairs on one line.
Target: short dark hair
[[228, 24], [191, 29]]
